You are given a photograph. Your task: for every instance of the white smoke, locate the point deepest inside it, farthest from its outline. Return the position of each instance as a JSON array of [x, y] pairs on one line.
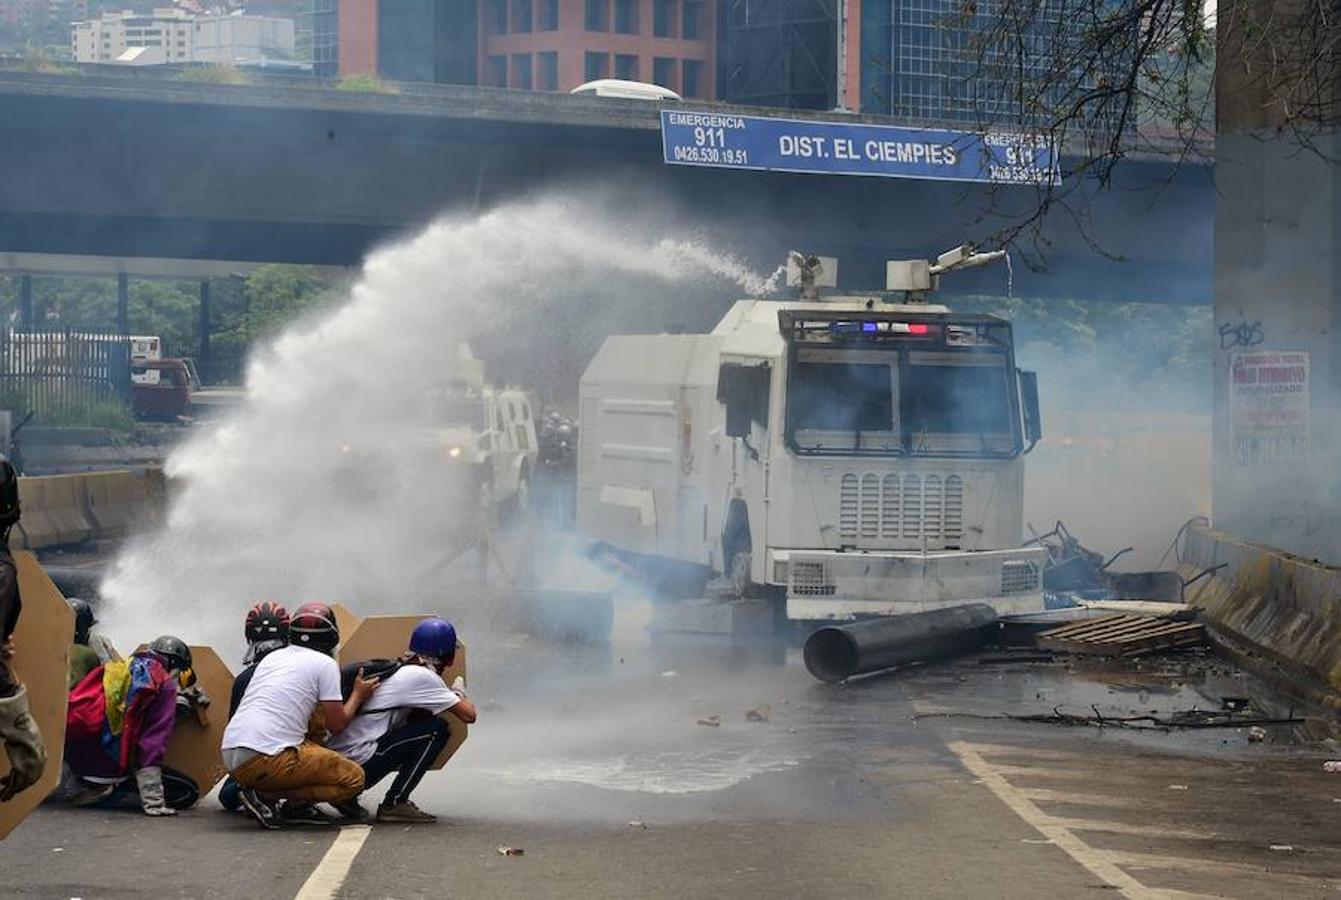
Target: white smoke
[[322, 485]]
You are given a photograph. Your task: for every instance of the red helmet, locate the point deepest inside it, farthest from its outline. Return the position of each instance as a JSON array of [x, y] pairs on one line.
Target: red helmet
[[313, 625], [267, 621]]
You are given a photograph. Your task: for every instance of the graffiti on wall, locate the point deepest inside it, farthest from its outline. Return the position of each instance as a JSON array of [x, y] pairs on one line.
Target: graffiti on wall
[[1241, 334]]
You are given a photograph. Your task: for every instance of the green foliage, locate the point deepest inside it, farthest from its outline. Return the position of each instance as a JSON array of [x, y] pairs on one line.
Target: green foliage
[[94, 414], [365, 84], [278, 295], [242, 312]]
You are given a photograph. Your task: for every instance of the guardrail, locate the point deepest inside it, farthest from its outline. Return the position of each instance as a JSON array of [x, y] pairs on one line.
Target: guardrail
[[1278, 613], [61, 510]]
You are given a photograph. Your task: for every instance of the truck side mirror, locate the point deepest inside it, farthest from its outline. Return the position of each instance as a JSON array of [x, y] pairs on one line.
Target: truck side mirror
[[744, 392], [1033, 420]]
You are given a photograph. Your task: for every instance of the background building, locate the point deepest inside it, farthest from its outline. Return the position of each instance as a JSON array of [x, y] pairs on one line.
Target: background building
[[925, 60], [175, 36], [911, 59], [545, 45]]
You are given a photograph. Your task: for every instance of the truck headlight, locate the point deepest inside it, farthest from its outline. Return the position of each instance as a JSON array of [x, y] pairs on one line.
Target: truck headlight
[[780, 571]]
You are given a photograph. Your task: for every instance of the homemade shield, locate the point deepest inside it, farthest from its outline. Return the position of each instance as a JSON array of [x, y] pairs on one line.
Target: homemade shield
[[345, 620], [42, 663], [196, 739], [387, 637]]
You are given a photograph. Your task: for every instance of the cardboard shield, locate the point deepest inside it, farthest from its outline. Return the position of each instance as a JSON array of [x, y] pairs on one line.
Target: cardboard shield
[[388, 637], [346, 621], [42, 663], [194, 748]]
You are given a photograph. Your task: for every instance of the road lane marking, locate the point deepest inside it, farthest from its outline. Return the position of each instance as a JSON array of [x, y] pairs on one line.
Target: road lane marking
[[330, 874], [1012, 750], [1095, 861], [1216, 867], [1179, 834], [1047, 795], [1032, 772]]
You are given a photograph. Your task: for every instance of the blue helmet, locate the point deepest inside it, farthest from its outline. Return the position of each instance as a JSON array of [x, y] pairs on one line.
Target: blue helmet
[[436, 638]]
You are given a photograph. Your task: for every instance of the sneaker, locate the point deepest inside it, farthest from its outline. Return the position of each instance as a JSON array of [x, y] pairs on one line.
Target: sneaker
[[260, 810], [405, 812], [92, 794], [296, 812], [351, 812]]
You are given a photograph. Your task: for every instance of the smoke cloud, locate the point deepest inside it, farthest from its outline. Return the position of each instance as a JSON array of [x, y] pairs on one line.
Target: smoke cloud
[[325, 484]]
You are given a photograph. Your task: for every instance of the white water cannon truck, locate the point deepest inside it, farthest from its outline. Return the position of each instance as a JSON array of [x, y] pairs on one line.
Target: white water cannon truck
[[844, 456]]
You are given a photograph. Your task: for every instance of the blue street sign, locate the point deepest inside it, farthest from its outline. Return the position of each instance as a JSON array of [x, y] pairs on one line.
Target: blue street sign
[[726, 140]]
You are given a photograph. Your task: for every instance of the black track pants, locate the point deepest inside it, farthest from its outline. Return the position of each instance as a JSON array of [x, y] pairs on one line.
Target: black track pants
[[408, 751]]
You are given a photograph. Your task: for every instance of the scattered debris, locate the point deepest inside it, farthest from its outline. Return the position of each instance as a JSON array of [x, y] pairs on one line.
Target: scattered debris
[[1072, 567], [1282, 848], [1122, 636], [1177, 787], [714, 721], [761, 713], [1035, 841], [1256, 734], [1332, 767], [1191, 718], [1005, 659], [511, 851], [1234, 703]]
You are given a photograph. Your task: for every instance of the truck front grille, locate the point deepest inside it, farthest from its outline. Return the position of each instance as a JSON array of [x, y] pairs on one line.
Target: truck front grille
[[907, 507], [810, 580], [1019, 577]]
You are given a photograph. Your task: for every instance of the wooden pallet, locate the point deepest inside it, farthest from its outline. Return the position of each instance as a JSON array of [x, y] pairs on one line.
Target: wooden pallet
[[1122, 636]]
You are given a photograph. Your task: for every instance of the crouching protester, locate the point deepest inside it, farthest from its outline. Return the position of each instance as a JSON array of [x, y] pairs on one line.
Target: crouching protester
[[119, 721], [90, 648], [402, 730], [266, 629], [283, 773]]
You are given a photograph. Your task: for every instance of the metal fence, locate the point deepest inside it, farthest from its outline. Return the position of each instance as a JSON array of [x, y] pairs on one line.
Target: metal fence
[[64, 375]]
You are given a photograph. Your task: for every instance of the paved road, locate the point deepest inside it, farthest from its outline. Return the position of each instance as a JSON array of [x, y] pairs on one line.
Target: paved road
[[868, 790]]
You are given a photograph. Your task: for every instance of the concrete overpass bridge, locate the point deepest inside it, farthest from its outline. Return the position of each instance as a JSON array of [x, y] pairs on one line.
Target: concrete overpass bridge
[[292, 170]]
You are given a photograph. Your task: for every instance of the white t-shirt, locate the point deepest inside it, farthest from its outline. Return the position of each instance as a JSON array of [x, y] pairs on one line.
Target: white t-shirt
[[280, 699], [410, 687]]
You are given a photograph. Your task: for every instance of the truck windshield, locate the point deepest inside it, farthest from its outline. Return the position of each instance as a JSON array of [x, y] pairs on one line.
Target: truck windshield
[[456, 410], [901, 402], [835, 397]]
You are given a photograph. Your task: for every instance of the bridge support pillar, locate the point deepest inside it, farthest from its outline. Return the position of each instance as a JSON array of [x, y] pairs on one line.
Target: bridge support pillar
[[123, 303], [204, 331], [25, 301], [1276, 475]]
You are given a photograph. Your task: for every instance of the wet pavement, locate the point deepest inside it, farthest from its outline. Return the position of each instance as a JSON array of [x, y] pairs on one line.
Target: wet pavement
[[594, 762]]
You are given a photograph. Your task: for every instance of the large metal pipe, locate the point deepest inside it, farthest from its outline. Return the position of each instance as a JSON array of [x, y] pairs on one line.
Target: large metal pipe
[[837, 652]]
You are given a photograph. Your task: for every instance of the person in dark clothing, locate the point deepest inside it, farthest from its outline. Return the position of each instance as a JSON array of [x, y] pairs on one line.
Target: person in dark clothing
[[23, 742], [404, 728], [266, 629]]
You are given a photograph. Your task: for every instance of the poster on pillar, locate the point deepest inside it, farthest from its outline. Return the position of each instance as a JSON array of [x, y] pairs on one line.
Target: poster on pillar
[[1269, 407]]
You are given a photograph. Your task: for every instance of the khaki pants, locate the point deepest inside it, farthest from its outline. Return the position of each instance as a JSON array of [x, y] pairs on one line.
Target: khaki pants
[[307, 772]]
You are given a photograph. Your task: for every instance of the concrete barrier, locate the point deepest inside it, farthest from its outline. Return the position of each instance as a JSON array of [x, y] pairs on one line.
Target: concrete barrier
[[70, 509], [116, 502], [1276, 611], [53, 511]]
